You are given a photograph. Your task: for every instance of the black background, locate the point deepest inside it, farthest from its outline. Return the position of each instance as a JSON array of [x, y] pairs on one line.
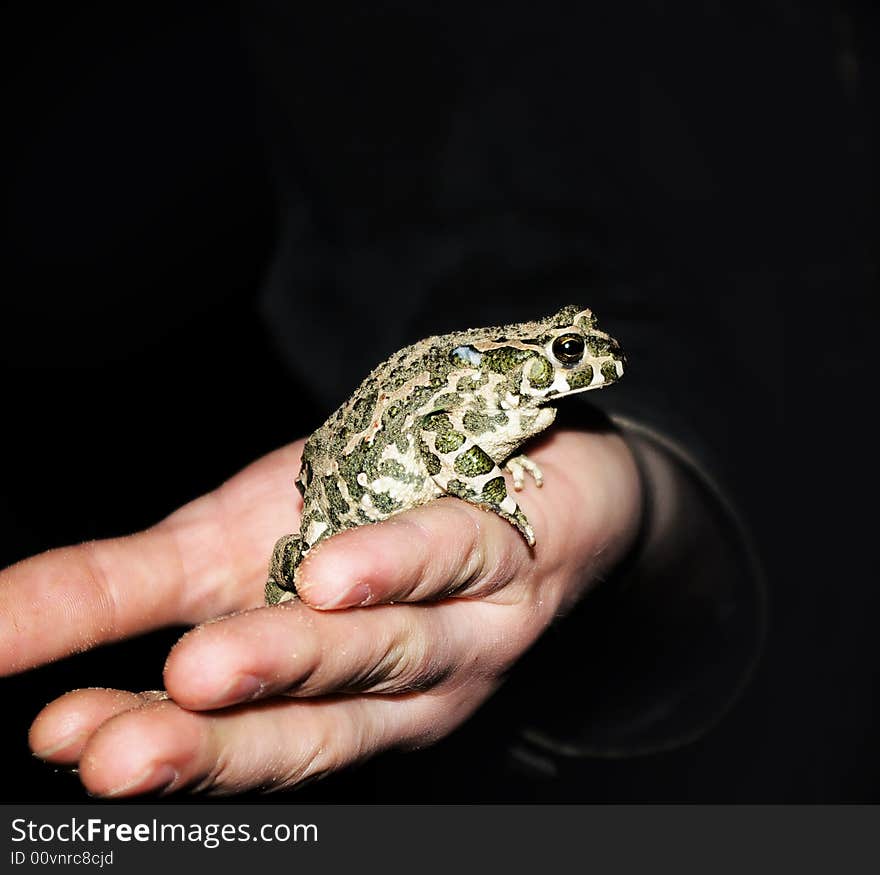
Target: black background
[[141, 218]]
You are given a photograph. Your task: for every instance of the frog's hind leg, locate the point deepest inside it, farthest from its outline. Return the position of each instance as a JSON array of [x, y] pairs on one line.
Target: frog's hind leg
[[286, 557]]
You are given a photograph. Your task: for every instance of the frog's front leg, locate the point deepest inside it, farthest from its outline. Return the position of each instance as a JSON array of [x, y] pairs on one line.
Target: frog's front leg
[[521, 424], [468, 472]]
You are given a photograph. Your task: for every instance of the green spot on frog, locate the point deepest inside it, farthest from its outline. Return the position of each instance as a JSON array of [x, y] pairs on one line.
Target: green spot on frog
[[495, 490], [459, 489], [609, 371], [565, 316], [580, 378], [505, 359], [437, 421], [540, 373], [432, 462], [598, 346], [383, 502], [447, 401], [393, 468], [473, 462], [362, 413], [338, 441], [477, 423], [448, 441]]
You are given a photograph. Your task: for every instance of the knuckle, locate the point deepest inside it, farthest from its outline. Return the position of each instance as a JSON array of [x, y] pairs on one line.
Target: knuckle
[[406, 664], [328, 747], [102, 595]]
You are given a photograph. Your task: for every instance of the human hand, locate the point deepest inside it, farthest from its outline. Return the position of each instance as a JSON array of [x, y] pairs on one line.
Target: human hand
[[270, 696]]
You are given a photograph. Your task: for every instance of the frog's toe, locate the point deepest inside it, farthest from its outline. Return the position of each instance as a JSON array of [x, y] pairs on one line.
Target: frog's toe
[[518, 465]]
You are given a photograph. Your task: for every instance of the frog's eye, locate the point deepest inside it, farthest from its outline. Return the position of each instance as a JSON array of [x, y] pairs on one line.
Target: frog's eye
[[569, 348]]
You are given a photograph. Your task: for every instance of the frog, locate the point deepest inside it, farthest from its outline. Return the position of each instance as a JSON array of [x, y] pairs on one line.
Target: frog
[[443, 417]]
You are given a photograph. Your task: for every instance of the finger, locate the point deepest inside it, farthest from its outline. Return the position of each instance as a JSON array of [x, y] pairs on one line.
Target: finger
[[450, 547], [62, 728], [208, 558], [294, 650], [444, 548], [274, 745]]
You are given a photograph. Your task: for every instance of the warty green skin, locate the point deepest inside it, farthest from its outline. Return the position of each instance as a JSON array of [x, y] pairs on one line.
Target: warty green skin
[[442, 417]]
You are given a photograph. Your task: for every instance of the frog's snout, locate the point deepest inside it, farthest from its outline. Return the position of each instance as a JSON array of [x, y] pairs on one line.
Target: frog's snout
[[615, 350]]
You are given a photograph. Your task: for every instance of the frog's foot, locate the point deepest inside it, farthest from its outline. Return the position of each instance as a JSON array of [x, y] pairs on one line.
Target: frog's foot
[[286, 556], [275, 595], [518, 465]]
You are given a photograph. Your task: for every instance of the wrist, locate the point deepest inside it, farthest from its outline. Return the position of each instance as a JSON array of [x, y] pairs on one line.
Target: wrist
[[601, 524], [663, 647]]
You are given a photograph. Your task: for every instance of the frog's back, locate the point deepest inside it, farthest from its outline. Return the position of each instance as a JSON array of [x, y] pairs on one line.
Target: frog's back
[[403, 377], [364, 464]]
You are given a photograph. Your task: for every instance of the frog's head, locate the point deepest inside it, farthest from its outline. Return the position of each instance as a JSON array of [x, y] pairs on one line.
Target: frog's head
[[571, 355], [548, 359]]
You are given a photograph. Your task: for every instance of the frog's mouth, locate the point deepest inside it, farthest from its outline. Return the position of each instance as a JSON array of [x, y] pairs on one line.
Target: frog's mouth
[[604, 371]]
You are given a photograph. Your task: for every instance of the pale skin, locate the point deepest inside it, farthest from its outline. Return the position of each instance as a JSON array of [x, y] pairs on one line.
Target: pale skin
[[326, 682]]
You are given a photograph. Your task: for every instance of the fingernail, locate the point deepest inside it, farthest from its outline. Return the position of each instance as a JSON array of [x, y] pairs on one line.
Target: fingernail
[[152, 779], [242, 688], [330, 597], [78, 738]]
